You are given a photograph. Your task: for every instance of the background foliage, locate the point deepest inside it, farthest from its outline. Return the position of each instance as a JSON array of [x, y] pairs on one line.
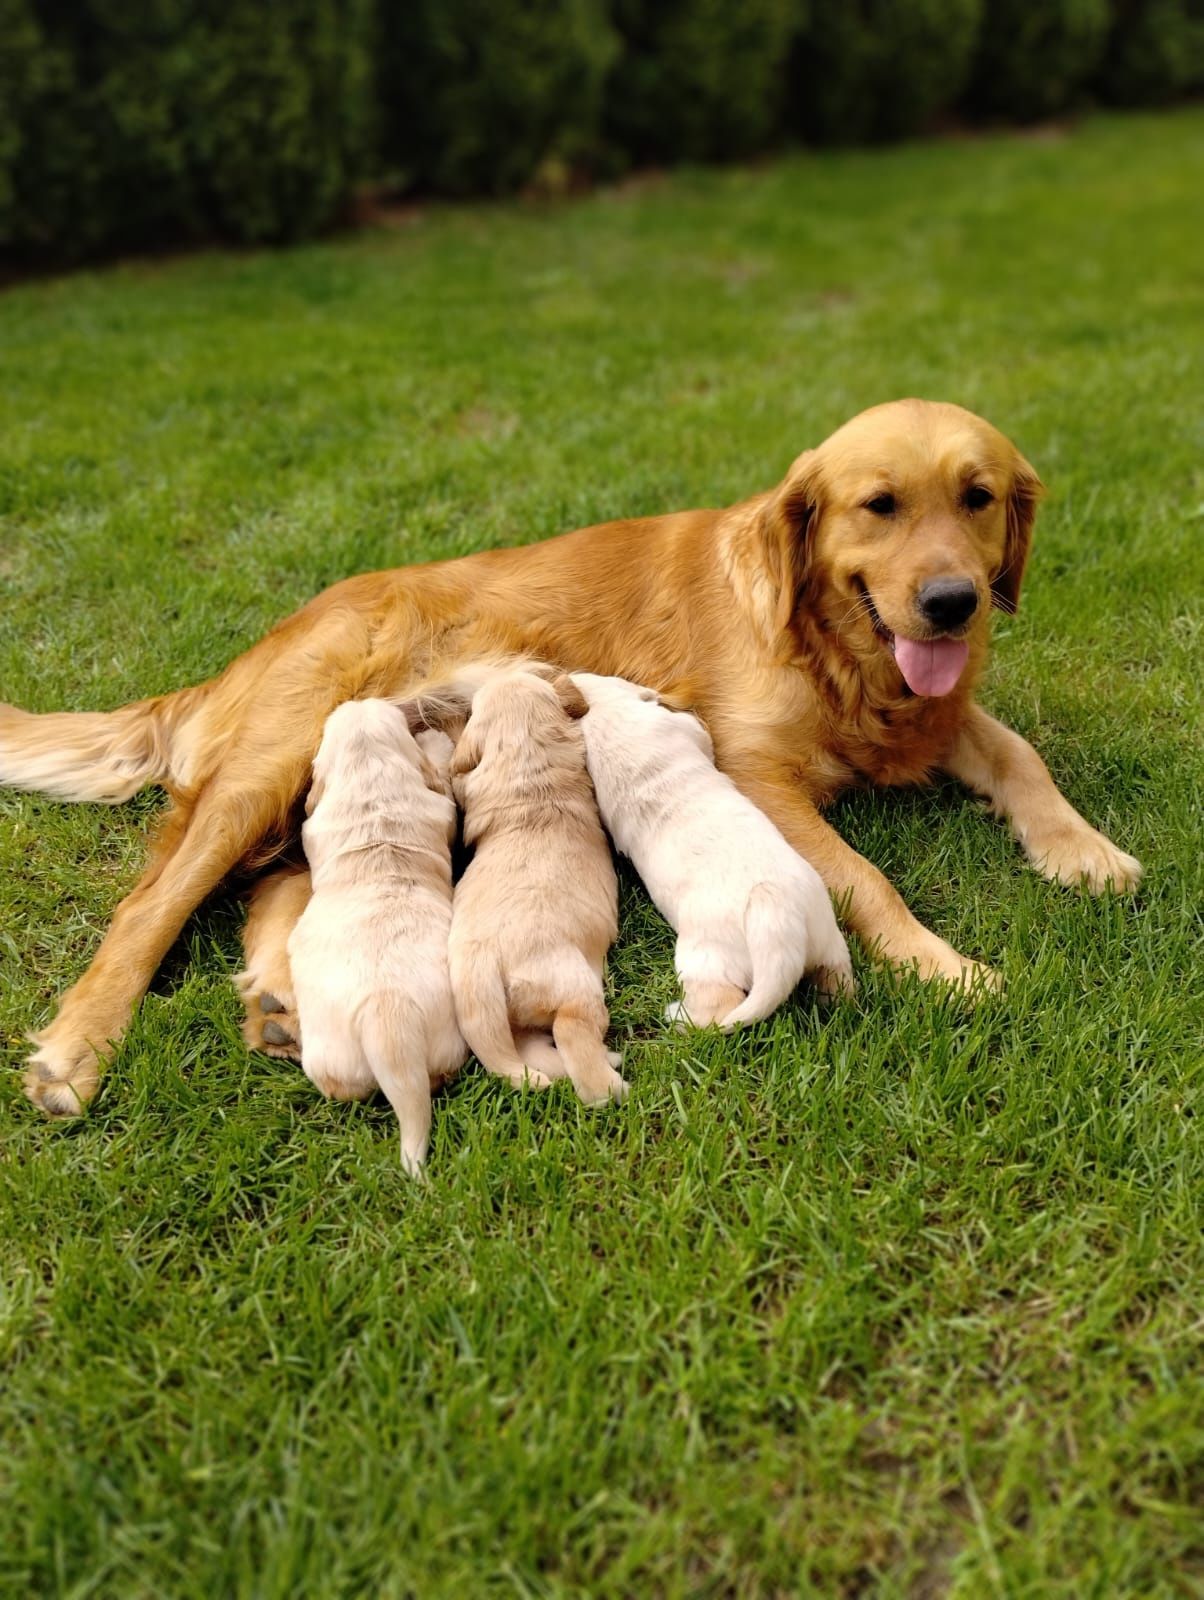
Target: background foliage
[[133, 123]]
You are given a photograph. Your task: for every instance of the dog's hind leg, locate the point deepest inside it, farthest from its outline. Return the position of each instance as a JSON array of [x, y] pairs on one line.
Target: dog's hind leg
[[266, 982], [195, 854], [245, 789], [250, 794]]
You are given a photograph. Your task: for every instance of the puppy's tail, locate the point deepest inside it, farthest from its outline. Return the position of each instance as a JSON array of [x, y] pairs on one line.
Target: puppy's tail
[[778, 949], [93, 755], [580, 1037], [484, 1017], [396, 1048]]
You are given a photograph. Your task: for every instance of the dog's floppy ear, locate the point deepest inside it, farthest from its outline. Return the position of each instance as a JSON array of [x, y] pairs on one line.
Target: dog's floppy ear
[[1023, 500], [787, 525], [570, 697]]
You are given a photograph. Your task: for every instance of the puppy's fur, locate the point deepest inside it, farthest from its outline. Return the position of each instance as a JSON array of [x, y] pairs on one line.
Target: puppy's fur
[[778, 619], [751, 915], [537, 907], [368, 957]]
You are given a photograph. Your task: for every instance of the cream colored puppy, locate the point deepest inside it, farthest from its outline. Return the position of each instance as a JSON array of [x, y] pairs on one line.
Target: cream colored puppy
[[369, 955], [751, 915], [537, 907]]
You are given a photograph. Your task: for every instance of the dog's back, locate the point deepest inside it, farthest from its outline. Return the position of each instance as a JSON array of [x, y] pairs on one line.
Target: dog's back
[[369, 955]]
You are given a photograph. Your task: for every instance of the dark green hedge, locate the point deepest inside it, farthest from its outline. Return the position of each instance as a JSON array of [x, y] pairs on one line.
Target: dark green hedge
[[126, 123], [697, 80], [478, 96], [876, 69], [1035, 57], [1155, 51], [138, 123]]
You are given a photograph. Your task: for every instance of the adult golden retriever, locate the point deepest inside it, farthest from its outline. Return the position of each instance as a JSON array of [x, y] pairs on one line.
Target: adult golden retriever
[[830, 632]]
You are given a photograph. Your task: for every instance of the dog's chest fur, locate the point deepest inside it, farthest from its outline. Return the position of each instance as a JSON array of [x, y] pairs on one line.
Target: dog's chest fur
[[839, 734]]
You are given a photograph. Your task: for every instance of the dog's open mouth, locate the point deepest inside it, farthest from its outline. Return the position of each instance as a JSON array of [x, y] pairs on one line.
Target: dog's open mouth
[[930, 667]]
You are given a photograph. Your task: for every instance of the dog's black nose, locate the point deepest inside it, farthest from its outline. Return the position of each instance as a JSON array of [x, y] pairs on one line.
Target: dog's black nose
[[947, 602]]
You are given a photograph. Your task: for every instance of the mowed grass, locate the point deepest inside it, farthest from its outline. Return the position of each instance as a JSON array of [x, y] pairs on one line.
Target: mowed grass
[[899, 1299]]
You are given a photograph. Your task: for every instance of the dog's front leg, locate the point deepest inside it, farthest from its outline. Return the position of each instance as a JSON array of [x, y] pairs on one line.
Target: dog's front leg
[[1000, 765], [871, 906]]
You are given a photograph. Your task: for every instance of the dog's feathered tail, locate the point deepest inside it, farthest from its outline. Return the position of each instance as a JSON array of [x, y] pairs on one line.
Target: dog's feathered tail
[[783, 945], [94, 755]]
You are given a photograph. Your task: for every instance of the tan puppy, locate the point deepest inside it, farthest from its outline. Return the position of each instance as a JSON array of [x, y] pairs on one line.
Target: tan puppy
[[537, 907], [369, 956]]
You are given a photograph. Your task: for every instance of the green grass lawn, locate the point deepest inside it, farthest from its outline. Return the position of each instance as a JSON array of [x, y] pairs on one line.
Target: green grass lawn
[[895, 1300]]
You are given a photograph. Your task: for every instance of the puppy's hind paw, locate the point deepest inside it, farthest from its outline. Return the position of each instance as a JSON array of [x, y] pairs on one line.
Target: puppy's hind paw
[[834, 983], [677, 1017], [528, 1078], [604, 1091]]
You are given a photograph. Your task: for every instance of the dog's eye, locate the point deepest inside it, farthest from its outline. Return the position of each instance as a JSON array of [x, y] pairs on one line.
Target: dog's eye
[[976, 497], [882, 505]]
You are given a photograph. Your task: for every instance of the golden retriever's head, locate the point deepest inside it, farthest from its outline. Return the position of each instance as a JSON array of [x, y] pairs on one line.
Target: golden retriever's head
[[899, 533]]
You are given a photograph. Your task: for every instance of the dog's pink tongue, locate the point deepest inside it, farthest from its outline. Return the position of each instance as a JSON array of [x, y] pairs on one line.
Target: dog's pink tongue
[[931, 666]]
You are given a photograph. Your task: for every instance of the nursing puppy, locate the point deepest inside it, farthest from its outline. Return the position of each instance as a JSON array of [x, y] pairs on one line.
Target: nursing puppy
[[368, 957], [537, 907], [751, 915]]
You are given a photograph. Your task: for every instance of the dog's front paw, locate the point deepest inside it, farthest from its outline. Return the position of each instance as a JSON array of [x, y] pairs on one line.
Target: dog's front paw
[[62, 1075], [1083, 858]]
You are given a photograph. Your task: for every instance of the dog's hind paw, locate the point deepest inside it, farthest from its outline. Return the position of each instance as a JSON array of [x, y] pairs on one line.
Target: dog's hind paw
[[61, 1081], [270, 1025]]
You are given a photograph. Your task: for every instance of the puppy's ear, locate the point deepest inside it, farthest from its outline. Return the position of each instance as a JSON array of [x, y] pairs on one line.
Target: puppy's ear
[[437, 778], [1023, 500], [698, 731], [570, 697], [316, 790], [467, 752], [787, 529], [411, 710]]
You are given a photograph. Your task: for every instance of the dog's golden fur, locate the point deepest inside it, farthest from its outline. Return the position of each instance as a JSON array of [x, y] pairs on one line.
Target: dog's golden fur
[[766, 617]]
